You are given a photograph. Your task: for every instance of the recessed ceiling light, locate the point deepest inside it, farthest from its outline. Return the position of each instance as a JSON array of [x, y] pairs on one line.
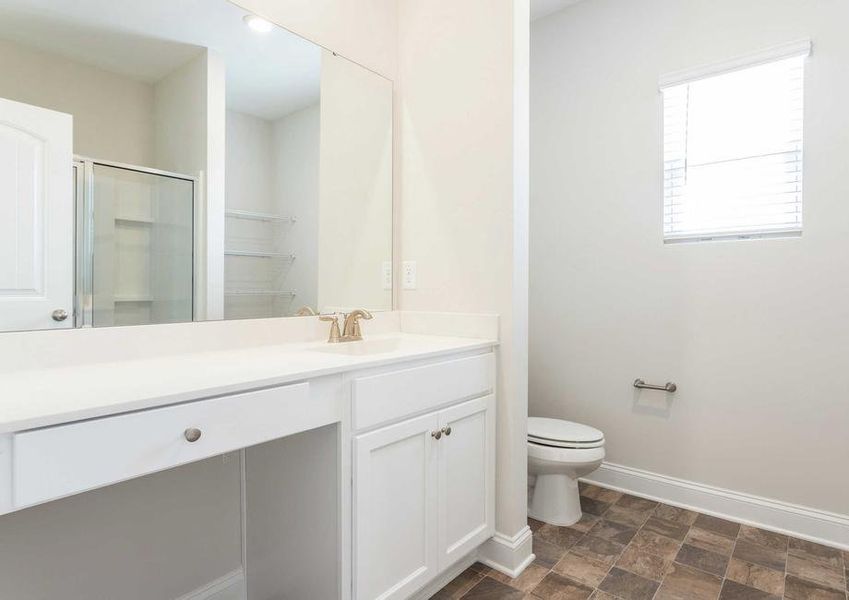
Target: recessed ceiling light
[[258, 24]]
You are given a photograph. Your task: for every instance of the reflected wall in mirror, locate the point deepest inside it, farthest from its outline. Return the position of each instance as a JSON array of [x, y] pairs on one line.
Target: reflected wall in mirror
[[164, 162]]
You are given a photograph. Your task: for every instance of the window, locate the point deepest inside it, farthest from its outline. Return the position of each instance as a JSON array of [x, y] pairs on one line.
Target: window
[[732, 145]]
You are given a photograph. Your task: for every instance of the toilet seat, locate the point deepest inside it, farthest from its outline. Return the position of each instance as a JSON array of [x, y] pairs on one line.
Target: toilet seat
[[557, 433]]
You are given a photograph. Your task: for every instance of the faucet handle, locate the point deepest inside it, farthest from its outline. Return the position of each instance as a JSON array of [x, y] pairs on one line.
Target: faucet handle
[[352, 329], [335, 335]]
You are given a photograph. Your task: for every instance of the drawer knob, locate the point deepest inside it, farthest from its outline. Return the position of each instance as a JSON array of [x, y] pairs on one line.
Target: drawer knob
[[447, 430], [192, 434], [436, 434]]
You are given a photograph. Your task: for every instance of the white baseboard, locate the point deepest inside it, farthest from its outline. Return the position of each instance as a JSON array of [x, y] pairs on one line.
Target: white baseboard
[[228, 587], [799, 521], [509, 555], [445, 578]]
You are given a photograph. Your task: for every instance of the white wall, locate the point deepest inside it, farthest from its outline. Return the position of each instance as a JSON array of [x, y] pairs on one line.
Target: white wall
[[364, 31], [113, 115], [190, 139], [296, 181], [458, 169], [355, 189], [754, 333], [249, 187]]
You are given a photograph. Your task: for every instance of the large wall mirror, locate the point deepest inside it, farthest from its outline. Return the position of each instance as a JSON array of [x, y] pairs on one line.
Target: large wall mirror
[[168, 161]]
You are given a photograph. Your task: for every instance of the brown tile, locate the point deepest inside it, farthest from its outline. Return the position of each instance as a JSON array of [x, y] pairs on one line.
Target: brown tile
[[710, 562], [599, 549], [760, 555], [627, 517], [525, 582], [763, 537], [818, 552], [459, 585], [534, 524], [653, 543], [628, 585], [636, 560], [593, 507], [731, 590], [666, 528], [586, 523], [586, 570], [547, 554], [490, 589], [756, 576], [615, 532], [636, 504], [480, 568], [601, 494], [707, 540], [599, 595], [675, 514], [557, 587], [717, 525], [563, 537], [799, 589], [819, 572], [685, 583]]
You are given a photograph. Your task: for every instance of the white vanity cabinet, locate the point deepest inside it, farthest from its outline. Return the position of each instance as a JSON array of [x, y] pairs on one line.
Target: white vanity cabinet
[[53, 462], [423, 486]]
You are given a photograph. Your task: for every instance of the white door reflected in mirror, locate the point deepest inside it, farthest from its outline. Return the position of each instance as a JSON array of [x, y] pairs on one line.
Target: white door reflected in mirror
[[36, 218]]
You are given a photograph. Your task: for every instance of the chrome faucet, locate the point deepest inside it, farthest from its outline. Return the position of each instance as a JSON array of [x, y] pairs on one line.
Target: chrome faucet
[[351, 331]]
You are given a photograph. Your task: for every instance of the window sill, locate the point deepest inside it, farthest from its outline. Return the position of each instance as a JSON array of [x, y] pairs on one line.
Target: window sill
[[696, 238]]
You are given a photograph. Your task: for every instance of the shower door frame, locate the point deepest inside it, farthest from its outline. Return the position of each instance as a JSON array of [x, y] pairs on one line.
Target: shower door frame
[[84, 232]]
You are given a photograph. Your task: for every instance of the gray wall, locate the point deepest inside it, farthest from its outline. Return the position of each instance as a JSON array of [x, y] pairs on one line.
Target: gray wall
[[754, 333], [153, 538]]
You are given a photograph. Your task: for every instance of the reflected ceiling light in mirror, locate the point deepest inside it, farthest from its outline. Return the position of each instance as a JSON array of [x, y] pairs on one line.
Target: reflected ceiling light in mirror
[[258, 24]]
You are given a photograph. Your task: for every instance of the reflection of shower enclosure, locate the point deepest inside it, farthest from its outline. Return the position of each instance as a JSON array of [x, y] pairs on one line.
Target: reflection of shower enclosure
[[134, 245]]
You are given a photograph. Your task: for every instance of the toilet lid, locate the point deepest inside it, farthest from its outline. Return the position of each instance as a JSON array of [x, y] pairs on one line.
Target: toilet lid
[[556, 431]]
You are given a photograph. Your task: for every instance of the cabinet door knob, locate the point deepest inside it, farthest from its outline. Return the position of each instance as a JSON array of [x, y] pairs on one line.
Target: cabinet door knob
[[192, 434], [447, 430], [60, 314], [436, 434]]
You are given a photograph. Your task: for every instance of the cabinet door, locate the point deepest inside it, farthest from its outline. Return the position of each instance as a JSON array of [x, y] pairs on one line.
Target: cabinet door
[[466, 478], [395, 502]]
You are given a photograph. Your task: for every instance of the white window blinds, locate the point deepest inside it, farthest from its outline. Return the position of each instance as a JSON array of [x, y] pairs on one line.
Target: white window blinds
[[733, 149]]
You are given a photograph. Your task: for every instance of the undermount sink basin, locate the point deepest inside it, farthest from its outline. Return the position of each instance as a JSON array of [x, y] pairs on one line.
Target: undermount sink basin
[[362, 348]]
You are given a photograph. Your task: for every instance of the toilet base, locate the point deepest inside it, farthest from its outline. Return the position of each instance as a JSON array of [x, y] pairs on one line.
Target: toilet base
[[555, 500]]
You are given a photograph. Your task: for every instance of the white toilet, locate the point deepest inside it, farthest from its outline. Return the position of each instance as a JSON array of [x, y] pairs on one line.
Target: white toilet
[[559, 452]]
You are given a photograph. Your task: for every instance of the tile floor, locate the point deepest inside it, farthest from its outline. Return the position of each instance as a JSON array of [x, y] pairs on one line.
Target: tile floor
[[634, 549]]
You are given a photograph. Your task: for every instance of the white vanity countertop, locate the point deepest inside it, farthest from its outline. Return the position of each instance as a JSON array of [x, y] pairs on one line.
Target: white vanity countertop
[[42, 397]]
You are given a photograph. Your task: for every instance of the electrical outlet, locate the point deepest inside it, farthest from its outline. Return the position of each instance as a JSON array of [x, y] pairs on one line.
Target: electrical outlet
[[409, 274], [387, 275]]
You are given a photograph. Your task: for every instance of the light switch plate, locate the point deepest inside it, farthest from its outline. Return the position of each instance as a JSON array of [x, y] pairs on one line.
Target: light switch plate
[[387, 275], [408, 274]]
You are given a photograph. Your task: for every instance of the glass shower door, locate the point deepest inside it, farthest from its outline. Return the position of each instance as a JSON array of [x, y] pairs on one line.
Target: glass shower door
[[141, 246]]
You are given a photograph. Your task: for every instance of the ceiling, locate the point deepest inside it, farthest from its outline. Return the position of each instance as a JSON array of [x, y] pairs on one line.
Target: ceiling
[[543, 8], [268, 75]]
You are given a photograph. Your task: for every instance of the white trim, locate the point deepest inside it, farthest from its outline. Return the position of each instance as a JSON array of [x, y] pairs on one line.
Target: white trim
[[228, 587], [761, 234], [508, 555], [444, 578], [767, 55], [823, 527], [243, 511]]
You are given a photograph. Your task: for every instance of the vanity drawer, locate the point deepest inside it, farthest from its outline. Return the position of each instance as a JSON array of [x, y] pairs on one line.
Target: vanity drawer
[[391, 396], [58, 461]]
